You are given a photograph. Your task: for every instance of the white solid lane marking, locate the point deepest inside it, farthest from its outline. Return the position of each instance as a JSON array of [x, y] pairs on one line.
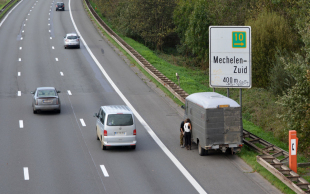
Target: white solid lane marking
[[53, 47], [18, 74], [19, 59], [175, 161], [21, 124], [19, 93], [83, 123], [26, 173], [56, 59], [61, 73], [20, 48], [104, 171], [69, 92]]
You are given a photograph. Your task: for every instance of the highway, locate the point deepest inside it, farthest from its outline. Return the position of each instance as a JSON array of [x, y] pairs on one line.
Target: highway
[[54, 153]]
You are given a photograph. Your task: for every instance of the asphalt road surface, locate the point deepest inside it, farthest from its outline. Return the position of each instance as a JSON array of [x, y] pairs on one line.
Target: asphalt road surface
[[58, 153]]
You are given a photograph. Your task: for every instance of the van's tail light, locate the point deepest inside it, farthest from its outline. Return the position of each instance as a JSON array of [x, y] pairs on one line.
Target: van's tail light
[[105, 133], [134, 132]]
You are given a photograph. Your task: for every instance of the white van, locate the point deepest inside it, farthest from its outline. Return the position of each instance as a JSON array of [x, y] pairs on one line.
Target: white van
[[115, 126]]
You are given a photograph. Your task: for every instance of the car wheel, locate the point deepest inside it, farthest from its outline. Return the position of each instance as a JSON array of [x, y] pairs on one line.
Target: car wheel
[[97, 135], [201, 151], [103, 147], [133, 147], [59, 111], [34, 111], [65, 47], [79, 46]]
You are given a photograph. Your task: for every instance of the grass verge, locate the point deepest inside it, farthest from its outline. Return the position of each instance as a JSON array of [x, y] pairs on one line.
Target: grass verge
[[7, 9], [194, 80]]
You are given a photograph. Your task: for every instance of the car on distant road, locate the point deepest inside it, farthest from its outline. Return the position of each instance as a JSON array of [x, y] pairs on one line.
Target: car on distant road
[[71, 40], [60, 6], [115, 126], [45, 99]]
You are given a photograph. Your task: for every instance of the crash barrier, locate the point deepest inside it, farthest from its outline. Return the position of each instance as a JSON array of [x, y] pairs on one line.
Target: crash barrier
[[161, 78], [269, 159], [6, 6], [275, 160]]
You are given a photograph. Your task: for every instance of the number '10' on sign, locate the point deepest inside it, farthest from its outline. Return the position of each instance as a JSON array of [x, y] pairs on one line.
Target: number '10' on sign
[[239, 39]]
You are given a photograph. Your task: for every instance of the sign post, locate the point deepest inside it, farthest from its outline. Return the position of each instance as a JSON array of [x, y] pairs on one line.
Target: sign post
[[293, 143]]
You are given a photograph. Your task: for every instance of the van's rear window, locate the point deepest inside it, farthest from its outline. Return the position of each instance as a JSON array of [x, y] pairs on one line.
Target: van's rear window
[[120, 120]]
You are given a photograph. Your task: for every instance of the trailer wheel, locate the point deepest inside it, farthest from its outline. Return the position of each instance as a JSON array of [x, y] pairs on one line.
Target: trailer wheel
[[201, 151]]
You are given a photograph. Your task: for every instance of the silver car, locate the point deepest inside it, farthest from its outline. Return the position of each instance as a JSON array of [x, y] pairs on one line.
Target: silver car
[[115, 126], [71, 40], [45, 99]]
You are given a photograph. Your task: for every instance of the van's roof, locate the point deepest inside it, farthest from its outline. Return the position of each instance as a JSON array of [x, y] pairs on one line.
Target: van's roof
[[211, 100], [114, 109]]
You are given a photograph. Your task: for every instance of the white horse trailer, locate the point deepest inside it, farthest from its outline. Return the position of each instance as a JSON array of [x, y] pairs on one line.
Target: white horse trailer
[[216, 122]]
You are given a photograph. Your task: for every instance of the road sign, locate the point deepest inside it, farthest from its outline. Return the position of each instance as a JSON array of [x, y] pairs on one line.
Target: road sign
[[239, 39], [230, 56]]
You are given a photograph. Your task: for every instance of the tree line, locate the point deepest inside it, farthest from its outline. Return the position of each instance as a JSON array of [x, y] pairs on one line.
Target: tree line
[[280, 41]]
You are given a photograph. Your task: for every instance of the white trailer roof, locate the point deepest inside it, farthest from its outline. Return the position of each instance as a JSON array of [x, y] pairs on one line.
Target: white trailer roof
[[211, 100]]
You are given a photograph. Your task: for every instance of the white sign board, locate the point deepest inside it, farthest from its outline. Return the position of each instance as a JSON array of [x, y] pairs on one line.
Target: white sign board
[[230, 57], [293, 146]]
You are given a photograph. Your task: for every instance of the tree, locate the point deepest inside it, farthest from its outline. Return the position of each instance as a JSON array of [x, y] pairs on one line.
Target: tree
[[270, 32]]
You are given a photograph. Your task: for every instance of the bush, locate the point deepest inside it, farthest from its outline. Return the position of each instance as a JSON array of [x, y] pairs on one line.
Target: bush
[[269, 33]]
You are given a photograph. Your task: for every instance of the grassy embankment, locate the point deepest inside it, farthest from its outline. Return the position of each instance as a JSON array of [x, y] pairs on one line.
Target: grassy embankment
[[194, 80], [3, 3]]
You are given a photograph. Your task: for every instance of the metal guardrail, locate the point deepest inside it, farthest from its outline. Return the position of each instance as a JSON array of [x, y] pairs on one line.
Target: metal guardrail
[[161, 78], [7, 5], [273, 157]]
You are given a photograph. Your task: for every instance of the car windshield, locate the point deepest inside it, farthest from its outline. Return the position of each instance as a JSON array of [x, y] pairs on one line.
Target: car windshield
[[72, 37], [42, 93], [120, 120], [59, 4]]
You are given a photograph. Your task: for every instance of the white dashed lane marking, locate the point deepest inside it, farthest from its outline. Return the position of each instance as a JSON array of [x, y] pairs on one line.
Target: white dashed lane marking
[[20, 48], [24, 24], [21, 124], [56, 59], [69, 92], [21, 38], [61, 73], [83, 123], [19, 59], [23, 31], [19, 93], [26, 173], [51, 38], [18, 74], [49, 24], [104, 171], [53, 47]]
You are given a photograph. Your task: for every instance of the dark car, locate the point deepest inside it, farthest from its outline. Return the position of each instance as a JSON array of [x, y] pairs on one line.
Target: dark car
[[45, 99], [60, 6]]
